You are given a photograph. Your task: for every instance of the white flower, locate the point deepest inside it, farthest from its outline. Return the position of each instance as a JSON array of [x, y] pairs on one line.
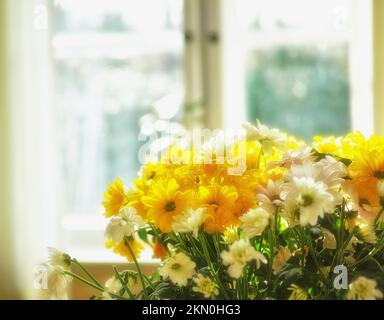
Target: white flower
[[329, 239], [254, 222], [112, 286], [364, 289], [178, 269], [293, 157], [205, 286], [269, 196], [281, 258], [124, 225], [58, 283], [58, 258], [306, 200], [189, 221], [268, 138], [239, 254]]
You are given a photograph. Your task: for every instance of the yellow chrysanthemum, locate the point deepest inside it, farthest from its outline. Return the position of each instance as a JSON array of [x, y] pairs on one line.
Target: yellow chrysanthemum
[[115, 198], [165, 201], [220, 203], [121, 248], [368, 162]]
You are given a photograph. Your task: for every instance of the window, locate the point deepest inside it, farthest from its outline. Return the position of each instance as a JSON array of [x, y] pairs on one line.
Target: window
[[124, 63], [112, 64], [296, 64]]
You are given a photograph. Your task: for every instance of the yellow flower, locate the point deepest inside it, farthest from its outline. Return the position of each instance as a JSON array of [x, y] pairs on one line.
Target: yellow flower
[[220, 204], [122, 249], [297, 293], [164, 202], [115, 198], [230, 235], [206, 286]]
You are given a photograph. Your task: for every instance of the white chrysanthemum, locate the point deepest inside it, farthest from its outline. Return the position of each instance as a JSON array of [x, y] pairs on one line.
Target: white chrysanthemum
[[206, 286], [178, 268], [364, 289], [329, 240], [58, 258], [293, 157], [123, 225], [239, 254], [306, 200], [112, 286], [268, 138], [328, 171], [189, 221], [269, 196], [58, 283], [280, 259], [254, 222]]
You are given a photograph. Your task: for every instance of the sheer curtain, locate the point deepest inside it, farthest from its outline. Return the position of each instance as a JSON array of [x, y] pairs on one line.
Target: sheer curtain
[[27, 189]]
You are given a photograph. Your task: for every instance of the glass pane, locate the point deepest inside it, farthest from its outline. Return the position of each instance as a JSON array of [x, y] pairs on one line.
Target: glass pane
[[297, 73], [104, 84]]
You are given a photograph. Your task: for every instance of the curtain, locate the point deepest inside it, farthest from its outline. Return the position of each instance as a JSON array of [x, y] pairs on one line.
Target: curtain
[[28, 220], [8, 288]]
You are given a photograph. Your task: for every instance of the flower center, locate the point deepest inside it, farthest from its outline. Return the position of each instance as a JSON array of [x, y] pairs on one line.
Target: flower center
[[378, 174], [306, 200], [170, 206], [176, 266]]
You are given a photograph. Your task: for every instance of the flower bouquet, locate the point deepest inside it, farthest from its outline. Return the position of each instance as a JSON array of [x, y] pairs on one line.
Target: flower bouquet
[[296, 221]]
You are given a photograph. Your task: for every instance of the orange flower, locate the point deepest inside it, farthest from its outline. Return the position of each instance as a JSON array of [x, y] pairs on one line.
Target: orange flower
[[220, 204], [159, 250]]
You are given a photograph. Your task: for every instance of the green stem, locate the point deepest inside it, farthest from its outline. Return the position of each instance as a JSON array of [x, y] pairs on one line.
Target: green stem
[[81, 279], [126, 240], [87, 272], [210, 264], [123, 283], [379, 215]]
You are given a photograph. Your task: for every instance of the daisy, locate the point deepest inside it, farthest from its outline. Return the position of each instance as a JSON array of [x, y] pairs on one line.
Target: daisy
[[206, 286], [178, 268], [165, 201], [124, 225], [305, 200], [115, 198], [364, 289], [189, 221], [58, 258], [254, 222], [230, 235], [269, 196], [122, 249], [58, 283], [269, 138], [240, 253], [219, 201]]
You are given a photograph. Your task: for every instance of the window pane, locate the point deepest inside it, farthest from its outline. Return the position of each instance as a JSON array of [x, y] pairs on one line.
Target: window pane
[[297, 74], [109, 72]]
